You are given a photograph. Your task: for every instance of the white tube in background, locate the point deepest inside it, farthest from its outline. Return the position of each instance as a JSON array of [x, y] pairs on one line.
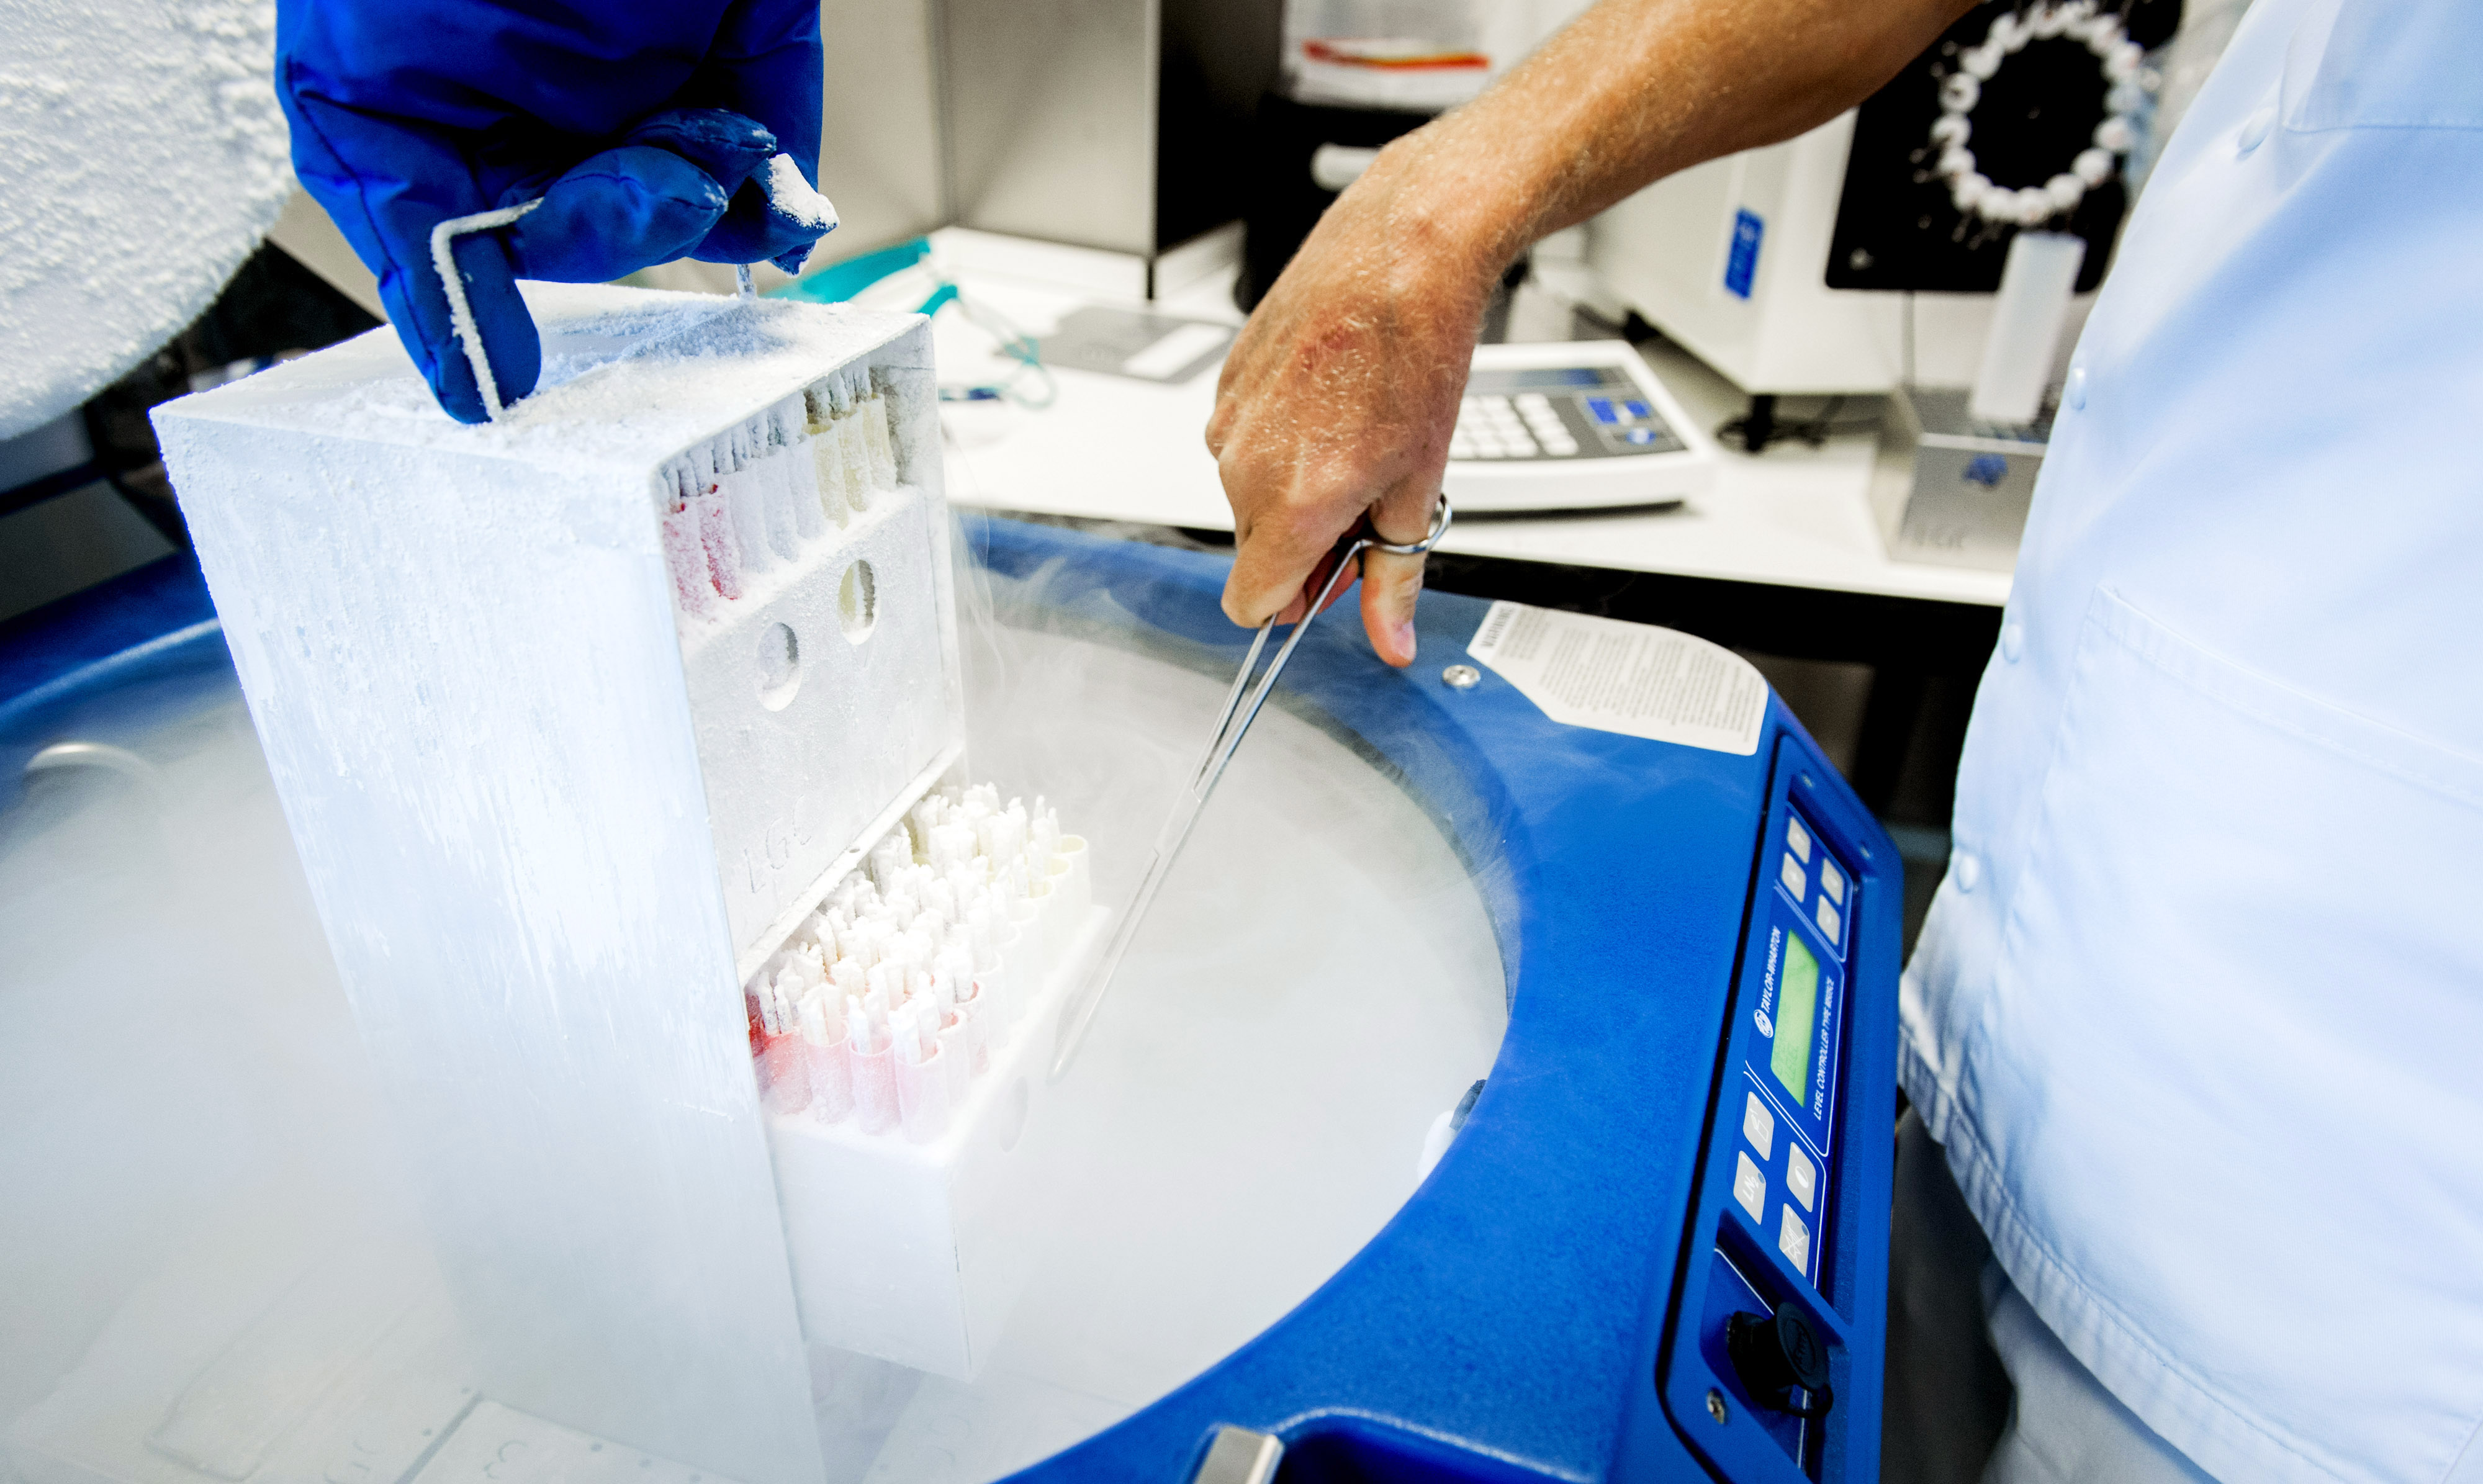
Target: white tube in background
[[2026, 318], [871, 1061]]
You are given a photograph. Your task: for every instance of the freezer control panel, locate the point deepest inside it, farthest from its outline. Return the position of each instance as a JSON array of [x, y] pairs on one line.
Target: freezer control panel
[[1769, 1365], [1788, 1065]]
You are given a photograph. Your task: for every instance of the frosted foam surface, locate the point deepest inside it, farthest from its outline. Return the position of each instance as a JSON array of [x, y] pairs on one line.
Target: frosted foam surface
[[187, 1125], [629, 377], [147, 157]]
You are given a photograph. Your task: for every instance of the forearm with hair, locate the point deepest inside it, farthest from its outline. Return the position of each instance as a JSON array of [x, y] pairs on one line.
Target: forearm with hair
[[1635, 90]]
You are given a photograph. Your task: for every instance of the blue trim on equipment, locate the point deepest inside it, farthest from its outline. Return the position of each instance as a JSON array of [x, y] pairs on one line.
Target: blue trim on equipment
[[1505, 1324], [105, 663]]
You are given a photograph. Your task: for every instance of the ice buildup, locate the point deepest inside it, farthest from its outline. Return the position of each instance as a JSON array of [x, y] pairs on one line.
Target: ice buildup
[[622, 739]]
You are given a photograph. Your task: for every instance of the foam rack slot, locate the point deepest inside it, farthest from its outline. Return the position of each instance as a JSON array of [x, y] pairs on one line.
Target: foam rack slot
[[916, 1253]]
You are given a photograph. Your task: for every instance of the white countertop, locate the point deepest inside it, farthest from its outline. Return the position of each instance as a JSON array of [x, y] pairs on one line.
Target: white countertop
[[1117, 449]]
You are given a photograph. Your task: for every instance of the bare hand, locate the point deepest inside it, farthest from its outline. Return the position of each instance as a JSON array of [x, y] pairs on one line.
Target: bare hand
[[1340, 395]]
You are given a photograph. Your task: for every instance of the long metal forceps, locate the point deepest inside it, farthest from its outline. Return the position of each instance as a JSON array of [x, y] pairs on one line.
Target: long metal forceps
[[1241, 709]]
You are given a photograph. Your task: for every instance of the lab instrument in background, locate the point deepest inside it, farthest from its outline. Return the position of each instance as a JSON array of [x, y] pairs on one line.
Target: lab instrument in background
[[1108, 123], [1352, 75], [1955, 474], [1135, 343], [1789, 269], [1582, 425], [1950, 489]]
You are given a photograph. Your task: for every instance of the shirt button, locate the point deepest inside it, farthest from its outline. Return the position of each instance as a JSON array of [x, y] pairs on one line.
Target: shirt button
[[2076, 393], [2255, 131], [1965, 870], [2013, 641]]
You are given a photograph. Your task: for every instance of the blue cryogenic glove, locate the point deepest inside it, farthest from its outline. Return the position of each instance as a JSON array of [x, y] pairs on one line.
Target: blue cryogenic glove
[[649, 131]]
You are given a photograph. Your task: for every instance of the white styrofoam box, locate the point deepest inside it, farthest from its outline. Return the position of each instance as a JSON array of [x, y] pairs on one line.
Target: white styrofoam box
[[916, 1253], [547, 814]]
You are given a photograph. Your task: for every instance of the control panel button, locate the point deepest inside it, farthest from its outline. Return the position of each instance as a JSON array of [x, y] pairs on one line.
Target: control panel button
[[1781, 1361], [1832, 881], [1793, 1239], [1640, 437], [1750, 1185], [1491, 427], [1802, 1177], [1830, 921], [1798, 840], [1795, 880], [1602, 411], [1759, 1127]]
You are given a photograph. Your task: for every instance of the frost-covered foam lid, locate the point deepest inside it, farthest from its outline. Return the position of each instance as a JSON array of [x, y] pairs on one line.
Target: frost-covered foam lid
[[632, 377], [146, 158]]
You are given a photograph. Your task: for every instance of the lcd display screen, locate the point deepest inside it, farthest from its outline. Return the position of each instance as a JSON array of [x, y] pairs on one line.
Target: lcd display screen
[[1503, 382], [1797, 1020]]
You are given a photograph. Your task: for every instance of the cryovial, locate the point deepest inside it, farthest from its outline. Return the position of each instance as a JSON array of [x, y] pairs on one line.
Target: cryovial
[[922, 1076], [871, 1059], [823, 1043]]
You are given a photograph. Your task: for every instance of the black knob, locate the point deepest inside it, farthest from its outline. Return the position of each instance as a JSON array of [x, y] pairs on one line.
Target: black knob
[[1778, 1355]]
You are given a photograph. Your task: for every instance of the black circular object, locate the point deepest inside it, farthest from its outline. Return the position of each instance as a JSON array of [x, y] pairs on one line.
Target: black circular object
[[1778, 1355], [1897, 230]]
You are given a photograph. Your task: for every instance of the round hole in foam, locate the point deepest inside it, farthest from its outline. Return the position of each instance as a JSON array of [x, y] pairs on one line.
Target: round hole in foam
[[779, 666], [858, 603]]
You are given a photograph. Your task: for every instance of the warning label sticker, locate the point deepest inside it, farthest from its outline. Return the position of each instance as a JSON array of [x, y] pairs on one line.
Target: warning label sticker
[[1632, 678]]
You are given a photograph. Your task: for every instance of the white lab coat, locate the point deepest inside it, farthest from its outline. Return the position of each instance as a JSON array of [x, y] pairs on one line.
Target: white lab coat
[[2198, 1010]]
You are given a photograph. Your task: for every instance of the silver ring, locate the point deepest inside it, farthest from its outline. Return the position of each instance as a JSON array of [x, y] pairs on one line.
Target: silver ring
[[1441, 515]]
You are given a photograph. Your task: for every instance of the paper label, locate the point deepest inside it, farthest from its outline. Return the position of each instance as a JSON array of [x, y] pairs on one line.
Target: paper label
[[1633, 678]]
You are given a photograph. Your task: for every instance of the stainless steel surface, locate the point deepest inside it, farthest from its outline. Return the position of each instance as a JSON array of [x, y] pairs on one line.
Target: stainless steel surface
[[1948, 489], [1051, 115], [1232, 725], [880, 159], [1239, 1456], [1117, 124], [1464, 678]]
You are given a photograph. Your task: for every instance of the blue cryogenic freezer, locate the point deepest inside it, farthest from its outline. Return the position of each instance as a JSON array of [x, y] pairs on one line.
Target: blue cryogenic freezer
[[1656, 1247]]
